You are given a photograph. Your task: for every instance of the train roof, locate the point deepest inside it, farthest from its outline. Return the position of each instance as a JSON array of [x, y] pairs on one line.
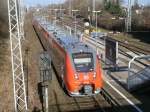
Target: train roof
[[70, 42]]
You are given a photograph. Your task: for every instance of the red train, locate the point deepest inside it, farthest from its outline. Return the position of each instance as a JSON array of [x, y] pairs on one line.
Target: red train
[[76, 63]]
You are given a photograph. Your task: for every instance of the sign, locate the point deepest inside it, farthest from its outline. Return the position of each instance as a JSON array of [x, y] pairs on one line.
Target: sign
[[45, 68], [111, 51]]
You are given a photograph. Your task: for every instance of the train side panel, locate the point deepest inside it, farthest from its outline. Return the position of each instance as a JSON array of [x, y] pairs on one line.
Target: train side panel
[[54, 50], [77, 82]]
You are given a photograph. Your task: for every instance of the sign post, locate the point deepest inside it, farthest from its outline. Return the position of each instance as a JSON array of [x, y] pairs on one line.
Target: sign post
[[111, 54], [45, 77]]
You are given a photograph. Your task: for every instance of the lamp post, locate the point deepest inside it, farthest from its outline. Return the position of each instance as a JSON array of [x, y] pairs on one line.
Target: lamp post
[[121, 19], [96, 12], [61, 8], [75, 22], [112, 27], [55, 10]]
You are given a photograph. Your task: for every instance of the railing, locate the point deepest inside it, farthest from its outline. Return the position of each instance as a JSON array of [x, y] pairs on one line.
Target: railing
[[136, 78]]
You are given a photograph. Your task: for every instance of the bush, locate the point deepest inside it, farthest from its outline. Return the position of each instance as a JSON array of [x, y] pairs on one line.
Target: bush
[[114, 9]]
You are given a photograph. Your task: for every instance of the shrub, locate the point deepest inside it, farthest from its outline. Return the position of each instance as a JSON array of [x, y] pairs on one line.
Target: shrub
[[114, 9]]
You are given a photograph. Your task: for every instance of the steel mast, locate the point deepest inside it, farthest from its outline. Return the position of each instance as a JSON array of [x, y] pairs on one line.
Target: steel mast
[[70, 8], [16, 57], [129, 17]]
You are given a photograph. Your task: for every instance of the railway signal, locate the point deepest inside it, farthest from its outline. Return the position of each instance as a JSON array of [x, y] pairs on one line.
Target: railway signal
[[45, 77]]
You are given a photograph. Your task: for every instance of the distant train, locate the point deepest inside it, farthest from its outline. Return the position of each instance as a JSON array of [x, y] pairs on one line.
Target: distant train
[[76, 63]]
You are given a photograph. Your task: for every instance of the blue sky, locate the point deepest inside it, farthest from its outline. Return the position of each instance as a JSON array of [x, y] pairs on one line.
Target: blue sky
[[142, 2], [43, 2]]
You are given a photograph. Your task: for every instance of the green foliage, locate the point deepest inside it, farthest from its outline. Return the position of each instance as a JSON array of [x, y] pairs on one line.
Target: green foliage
[[114, 9]]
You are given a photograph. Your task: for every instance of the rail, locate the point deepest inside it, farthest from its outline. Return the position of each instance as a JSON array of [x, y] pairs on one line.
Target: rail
[[107, 96], [115, 104], [121, 51], [131, 80], [130, 47]]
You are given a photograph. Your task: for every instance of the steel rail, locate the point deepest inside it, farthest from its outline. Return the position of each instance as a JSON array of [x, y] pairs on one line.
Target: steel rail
[[121, 43], [120, 50]]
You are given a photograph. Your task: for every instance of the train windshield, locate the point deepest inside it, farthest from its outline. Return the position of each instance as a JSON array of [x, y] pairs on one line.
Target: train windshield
[[83, 62]]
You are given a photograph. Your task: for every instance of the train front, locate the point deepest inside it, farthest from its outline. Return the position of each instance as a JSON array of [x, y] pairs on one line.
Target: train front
[[83, 77]]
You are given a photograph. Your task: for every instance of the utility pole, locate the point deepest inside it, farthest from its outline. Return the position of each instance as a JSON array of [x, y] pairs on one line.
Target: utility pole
[[70, 8], [93, 18], [129, 17], [16, 57], [60, 7]]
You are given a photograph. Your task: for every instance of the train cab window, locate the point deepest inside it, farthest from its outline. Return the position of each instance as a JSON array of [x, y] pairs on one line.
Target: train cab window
[[83, 62]]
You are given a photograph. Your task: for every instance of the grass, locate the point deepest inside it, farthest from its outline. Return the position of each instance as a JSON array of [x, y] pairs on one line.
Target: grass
[[6, 86]]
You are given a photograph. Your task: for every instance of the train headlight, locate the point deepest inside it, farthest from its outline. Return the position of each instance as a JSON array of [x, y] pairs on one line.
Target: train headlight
[[94, 75], [76, 76], [97, 90]]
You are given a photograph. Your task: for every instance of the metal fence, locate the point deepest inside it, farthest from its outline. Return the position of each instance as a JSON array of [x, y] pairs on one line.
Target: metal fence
[[139, 77]]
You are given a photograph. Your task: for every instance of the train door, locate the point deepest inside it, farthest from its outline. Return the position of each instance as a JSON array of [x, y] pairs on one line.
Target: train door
[[62, 72]]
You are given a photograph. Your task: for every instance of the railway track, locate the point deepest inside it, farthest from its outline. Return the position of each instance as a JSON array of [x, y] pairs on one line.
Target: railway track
[[127, 46], [127, 52], [87, 104], [103, 102], [60, 102]]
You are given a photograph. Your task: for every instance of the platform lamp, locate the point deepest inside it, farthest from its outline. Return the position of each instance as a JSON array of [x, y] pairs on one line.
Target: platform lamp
[[96, 12], [93, 15], [61, 8], [75, 21], [56, 15], [86, 28]]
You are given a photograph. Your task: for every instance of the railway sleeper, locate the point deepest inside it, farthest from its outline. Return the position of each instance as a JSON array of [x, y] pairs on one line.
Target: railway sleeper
[[112, 101]]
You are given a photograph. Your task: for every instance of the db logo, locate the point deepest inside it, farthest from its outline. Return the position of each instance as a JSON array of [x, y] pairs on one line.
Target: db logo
[[86, 77]]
